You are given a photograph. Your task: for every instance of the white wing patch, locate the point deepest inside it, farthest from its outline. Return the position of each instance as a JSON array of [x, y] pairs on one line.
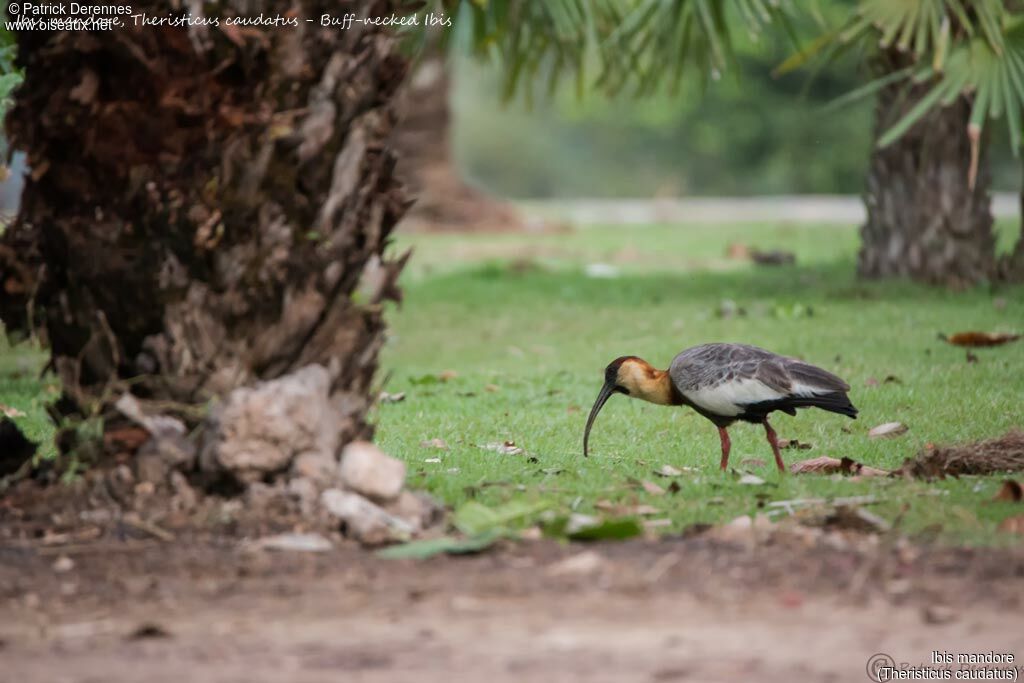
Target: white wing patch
[[728, 398]]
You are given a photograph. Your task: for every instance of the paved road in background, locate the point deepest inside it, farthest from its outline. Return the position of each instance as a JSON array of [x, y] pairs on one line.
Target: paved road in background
[[837, 209]]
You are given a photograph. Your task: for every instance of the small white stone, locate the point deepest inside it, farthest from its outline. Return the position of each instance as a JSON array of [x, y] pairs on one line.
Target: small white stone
[[63, 564], [368, 470], [364, 520]]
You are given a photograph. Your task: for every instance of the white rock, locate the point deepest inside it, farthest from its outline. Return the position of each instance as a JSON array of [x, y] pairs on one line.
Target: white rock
[[306, 543], [63, 564], [418, 509], [364, 520], [370, 471], [263, 428]]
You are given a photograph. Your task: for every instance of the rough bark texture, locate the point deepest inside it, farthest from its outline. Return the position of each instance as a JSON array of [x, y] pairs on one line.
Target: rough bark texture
[[444, 201], [207, 207], [924, 220]]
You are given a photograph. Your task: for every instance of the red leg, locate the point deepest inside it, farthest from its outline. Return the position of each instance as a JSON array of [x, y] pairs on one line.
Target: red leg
[[773, 439], [726, 445]]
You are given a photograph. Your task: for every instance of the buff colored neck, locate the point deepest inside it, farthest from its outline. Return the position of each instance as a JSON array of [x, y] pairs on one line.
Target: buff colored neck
[[647, 383]]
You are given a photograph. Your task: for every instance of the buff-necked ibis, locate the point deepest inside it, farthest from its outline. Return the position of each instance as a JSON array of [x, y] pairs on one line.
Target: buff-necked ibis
[[726, 383]]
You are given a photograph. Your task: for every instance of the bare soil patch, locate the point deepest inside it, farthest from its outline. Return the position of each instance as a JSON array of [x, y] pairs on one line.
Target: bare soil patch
[[124, 605]]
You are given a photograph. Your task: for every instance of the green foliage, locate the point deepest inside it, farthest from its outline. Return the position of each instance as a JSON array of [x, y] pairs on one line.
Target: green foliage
[[553, 330], [961, 48]]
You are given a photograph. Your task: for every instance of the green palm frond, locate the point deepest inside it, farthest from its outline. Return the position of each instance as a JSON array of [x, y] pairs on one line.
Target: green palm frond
[[926, 28], [658, 40], [994, 80], [554, 39], [606, 44]]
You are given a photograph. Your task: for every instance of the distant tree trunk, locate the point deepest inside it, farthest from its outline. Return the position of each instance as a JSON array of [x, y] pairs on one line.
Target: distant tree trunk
[[423, 143], [203, 204], [1011, 266], [924, 221]]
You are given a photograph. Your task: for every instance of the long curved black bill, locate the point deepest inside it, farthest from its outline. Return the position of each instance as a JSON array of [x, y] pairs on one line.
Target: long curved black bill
[[606, 391]]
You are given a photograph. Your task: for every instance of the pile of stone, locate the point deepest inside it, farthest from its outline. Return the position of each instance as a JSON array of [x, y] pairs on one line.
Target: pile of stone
[[279, 440]]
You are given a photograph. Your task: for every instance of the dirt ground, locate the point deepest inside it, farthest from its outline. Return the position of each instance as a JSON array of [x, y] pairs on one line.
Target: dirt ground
[[690, 609]]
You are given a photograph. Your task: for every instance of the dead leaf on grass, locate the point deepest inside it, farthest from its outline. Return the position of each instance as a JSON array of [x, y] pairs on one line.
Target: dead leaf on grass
[[979, 339], [652, 488], [10, 411], [385, 397], [491, 388], [439, 444], [795, 444], [752, 462], [432, 460], [751, 480], [829, 465], [888, 430], [670, 471], [1011, 491], [504, 448], [447, 375]]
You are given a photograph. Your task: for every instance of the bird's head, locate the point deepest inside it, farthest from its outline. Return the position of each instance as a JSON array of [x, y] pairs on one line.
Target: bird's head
[[625, 375]]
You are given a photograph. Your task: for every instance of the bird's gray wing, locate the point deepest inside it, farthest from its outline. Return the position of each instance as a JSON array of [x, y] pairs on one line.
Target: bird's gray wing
[[807, 378]]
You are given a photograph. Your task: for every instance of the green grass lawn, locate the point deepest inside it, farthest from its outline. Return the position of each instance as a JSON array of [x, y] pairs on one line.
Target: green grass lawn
[[529, 333], [518, 312]]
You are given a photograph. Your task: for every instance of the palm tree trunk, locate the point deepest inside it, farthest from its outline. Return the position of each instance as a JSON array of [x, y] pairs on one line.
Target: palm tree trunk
[[1011, 266], [204, 203], [925, 221]]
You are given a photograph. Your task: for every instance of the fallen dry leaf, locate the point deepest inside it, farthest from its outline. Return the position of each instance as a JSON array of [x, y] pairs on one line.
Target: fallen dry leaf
[[979, 339], [10, 412], [385, 397], [752, 462], [670, 471], [829, 465], [432, 460], [888, 430], [751, 480], [795, 444], [447, 375], [440, 444], [1011, 491], [652, 488], [504, 447], [1013, 525], [491, 388]]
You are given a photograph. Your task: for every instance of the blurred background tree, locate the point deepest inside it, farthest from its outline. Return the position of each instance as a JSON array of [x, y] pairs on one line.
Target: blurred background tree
[[928, 177]]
